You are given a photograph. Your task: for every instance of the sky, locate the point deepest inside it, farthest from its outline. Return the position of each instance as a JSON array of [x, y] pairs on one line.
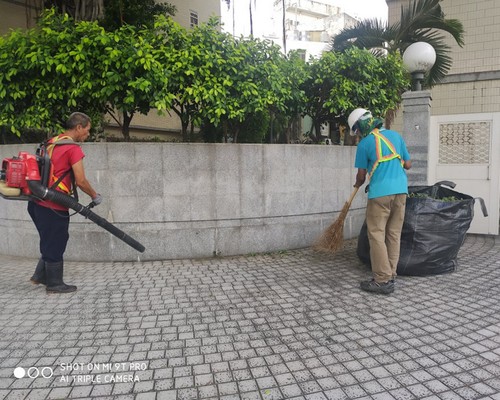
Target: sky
[[363, 9]]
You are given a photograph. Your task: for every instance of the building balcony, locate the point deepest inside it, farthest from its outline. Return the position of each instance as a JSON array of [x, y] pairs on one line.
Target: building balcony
[[311, 8]]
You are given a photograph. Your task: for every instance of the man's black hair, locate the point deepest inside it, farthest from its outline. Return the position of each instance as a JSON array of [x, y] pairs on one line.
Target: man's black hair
[[77, 118]]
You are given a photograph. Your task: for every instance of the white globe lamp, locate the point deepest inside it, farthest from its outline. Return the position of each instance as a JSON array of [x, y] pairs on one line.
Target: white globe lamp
[[419, 58]]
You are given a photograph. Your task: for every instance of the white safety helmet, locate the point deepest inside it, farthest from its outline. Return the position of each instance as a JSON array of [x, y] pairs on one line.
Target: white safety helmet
[[354, 116]]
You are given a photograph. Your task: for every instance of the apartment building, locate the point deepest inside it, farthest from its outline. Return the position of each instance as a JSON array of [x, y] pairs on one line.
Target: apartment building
[[309, 25], [464, 144]]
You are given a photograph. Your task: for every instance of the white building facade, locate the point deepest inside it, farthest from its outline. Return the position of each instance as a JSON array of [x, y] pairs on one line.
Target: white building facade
[[309, 25], [464, 140]]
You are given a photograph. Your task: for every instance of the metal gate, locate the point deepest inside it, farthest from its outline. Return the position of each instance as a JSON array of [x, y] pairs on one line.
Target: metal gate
[[465, 149]]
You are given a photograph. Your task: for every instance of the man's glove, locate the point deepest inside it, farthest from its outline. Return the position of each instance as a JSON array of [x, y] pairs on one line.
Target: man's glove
[[97, 199]]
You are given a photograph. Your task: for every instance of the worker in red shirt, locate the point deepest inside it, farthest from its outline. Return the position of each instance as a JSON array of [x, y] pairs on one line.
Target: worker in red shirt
[[52, 219]]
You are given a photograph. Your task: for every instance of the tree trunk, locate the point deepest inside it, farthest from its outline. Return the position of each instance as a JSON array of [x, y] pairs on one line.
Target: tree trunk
[[184, 123], [4, 136], [191, 131], [271, 126], [225, 129], [184, 130], [183, 115], [284, 26], [88, 10], [127, 119], [234, 22], [317, 131], [251, 19], [236, 131]]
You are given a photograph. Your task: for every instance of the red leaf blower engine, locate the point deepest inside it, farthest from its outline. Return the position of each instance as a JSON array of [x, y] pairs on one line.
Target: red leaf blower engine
[[15, 174], [26, 177]]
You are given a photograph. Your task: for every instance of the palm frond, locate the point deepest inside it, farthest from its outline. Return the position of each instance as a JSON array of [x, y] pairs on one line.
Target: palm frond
[[366, 34], [422, 20], [427, 14]]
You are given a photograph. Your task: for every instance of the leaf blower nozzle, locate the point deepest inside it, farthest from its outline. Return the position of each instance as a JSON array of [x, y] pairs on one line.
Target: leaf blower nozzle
[[63, 199]]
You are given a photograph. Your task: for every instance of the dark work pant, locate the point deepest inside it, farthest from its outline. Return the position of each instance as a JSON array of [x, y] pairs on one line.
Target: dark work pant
[[52, 226]]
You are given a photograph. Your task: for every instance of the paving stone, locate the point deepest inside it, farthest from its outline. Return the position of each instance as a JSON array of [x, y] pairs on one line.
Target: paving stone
[[270, 326]]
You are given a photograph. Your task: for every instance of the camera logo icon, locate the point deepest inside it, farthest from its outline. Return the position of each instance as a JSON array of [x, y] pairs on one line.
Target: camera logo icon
[[33, 372]]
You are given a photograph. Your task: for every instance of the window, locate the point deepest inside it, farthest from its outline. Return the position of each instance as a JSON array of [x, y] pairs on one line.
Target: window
[[193, 19], [302, 54]]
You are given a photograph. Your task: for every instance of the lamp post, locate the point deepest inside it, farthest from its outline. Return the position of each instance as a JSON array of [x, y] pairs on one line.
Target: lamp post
[[419, 58]]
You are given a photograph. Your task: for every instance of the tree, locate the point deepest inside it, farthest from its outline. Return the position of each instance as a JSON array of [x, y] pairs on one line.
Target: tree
[[136, 69], [194, 60], [283, 24], [63, 65], [230, 4], [250, 13], [113, 13], [421, 21], [47, 72], [80, 10], [222, 80], [340, 82], [294, 70], [139, 13], [251, 81]]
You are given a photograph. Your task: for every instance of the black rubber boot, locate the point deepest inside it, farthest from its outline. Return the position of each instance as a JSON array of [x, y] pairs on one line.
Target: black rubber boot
[[54, 274], [39, 275]]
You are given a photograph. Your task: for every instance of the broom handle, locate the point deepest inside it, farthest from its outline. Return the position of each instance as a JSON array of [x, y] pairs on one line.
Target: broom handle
[[352, 197]]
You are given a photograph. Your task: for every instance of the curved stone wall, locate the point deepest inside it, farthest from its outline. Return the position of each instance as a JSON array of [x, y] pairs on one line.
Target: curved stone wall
[[190, 200]]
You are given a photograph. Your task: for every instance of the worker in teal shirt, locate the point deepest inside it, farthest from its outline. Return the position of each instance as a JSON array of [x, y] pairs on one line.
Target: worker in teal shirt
[[382, 155]]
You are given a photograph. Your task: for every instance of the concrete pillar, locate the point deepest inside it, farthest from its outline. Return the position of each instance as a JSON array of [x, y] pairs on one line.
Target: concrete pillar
[[416, 131]]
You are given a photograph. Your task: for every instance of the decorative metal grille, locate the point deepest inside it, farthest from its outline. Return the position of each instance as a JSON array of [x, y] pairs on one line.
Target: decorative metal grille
[[465, 143]]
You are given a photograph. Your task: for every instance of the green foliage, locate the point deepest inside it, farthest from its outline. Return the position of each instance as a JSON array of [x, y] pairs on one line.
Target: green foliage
[[140, 13], [222, 80], [254, 128], [420, 21], [135, 70], [211, 133], [259, 83], [240, 88], [62, 66], [48, 72], [27, 136], [446, 199], [340, 82], [195, 57]]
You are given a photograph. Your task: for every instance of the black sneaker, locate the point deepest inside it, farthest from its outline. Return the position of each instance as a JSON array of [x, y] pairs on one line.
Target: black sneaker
[[377, 287]]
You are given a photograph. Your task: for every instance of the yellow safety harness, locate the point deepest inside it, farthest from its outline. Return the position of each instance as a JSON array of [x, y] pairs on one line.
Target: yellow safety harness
[[57, 181], [379, 139]]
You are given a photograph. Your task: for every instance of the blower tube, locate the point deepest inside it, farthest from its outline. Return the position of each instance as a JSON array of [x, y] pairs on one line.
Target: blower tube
[[63, 199]]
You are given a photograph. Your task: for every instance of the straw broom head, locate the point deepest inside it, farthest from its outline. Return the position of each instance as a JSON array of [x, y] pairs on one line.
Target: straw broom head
[[332, 239]]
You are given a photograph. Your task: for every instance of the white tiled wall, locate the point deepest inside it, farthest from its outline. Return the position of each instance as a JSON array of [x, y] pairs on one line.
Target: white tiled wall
[[480, 53]]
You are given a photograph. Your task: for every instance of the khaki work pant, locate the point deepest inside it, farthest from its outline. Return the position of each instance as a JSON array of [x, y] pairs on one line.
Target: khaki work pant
[[384, 221]]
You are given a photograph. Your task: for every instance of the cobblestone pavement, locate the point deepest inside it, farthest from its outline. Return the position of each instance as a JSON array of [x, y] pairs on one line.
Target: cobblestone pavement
[[285, 325]]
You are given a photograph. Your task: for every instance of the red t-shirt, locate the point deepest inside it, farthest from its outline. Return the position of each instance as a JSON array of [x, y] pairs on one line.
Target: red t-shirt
[[62, 159]]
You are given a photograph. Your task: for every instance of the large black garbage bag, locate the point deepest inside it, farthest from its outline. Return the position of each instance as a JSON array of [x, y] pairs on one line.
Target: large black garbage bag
[[436, 222]]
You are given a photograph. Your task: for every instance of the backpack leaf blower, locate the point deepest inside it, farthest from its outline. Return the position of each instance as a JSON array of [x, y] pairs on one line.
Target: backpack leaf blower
[[25, 177]]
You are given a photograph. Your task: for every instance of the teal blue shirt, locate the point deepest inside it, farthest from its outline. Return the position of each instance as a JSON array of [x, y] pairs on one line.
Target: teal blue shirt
[[389, 178]]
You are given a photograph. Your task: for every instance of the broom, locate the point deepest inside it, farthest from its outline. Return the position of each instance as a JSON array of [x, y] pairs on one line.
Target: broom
[[332, 238]]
